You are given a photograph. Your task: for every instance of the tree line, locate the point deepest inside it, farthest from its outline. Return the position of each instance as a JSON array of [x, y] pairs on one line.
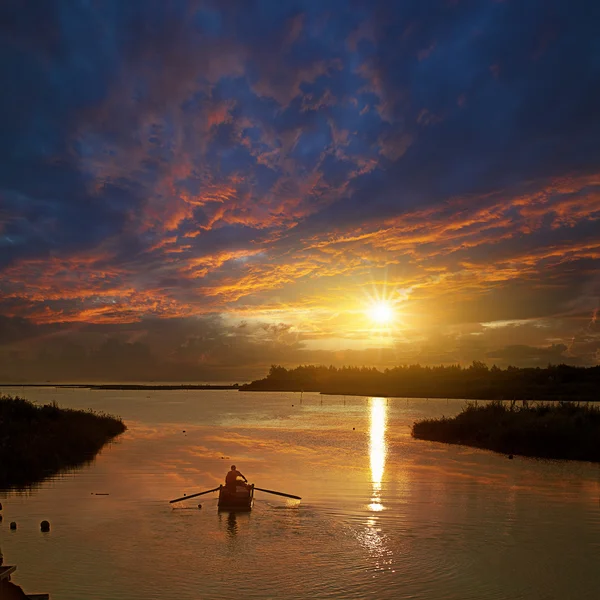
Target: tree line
[[477, 381]]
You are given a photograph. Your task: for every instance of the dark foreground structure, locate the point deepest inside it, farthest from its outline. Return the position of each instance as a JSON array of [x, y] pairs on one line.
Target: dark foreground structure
[[39, 441], [10, 591], [560, 431], [478, 381]]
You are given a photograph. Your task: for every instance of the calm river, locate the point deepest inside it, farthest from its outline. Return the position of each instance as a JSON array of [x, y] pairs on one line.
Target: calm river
[[383, 516]]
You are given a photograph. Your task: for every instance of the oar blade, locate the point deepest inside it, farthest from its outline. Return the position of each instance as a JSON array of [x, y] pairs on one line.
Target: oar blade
[[278, 493], [193, 495]]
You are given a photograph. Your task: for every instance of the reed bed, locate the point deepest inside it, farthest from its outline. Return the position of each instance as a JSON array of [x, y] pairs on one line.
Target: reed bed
[[38, 441], [562, 430]]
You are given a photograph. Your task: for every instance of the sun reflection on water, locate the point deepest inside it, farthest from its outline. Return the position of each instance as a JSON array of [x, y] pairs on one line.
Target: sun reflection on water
[[372, 537], [377, 449]]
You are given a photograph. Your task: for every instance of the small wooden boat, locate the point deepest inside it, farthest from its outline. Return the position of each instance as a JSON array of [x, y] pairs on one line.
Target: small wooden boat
[[240, 500]]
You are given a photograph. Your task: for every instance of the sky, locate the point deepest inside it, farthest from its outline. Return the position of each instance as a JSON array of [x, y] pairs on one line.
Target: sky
[[198, 189]]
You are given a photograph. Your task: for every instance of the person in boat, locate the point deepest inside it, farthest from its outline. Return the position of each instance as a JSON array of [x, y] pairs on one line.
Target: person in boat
[[231, 479]]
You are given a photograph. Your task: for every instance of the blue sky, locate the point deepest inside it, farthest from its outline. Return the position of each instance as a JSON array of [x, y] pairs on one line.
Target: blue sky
[[266, 170]]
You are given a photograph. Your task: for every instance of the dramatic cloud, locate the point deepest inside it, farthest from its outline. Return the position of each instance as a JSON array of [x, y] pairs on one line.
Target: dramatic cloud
[[240, 178]]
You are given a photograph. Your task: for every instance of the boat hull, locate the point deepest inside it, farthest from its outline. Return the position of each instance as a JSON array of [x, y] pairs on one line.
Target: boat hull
[[241, 500]]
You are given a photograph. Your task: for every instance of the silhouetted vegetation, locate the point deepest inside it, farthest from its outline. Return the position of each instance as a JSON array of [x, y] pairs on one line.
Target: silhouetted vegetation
[[565, 430], [559, 382], [39, 441]]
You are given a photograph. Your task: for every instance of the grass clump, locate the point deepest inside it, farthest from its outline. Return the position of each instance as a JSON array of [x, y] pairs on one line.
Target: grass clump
[[39, 441], [565, 430]]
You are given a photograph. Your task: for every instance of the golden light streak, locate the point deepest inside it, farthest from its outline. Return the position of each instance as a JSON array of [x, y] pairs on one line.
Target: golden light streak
[[377, 449]]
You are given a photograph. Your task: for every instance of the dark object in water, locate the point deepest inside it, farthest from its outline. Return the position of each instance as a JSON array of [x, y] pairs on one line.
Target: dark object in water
[[13, 525], [241, 499], [45, 526], [510, 457], [199, 505]]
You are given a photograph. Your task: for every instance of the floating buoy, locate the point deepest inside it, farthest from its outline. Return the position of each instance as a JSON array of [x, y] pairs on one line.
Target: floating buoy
[[45, 526], [183, 431], [292, 405], [13, 525], [354, 429], [199, 505], [510, 457]]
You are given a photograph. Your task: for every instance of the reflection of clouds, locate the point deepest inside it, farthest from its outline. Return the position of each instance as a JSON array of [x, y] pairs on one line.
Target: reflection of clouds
[[257, 444]]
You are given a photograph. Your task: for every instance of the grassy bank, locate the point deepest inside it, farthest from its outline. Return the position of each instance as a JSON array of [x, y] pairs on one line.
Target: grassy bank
[[40, 441], [560, 431]]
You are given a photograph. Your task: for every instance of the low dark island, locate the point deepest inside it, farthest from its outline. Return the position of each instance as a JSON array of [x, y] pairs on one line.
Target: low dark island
[[565, 430], [477, 382], [39, 441]]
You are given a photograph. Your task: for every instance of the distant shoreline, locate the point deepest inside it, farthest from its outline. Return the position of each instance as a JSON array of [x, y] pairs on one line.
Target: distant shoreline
[[124, 386], [477, 382]]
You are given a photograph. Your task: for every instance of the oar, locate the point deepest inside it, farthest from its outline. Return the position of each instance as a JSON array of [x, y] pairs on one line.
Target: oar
[[278, 493], [193, 495]]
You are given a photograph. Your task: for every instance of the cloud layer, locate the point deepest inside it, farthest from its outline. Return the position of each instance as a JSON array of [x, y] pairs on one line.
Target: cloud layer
[[267, 164]]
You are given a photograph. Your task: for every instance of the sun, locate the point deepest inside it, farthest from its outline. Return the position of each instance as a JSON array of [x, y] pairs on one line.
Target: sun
[[381, 312]]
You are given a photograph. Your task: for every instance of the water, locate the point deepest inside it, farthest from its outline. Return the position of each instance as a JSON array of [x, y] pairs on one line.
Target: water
[[382, 516]]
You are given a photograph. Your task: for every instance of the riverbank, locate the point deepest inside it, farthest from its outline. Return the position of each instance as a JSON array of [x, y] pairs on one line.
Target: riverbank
[[40, 441], [561, 431]]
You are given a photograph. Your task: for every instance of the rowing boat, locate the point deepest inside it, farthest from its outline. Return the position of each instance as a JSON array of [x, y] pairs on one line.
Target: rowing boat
[[241, 500]]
